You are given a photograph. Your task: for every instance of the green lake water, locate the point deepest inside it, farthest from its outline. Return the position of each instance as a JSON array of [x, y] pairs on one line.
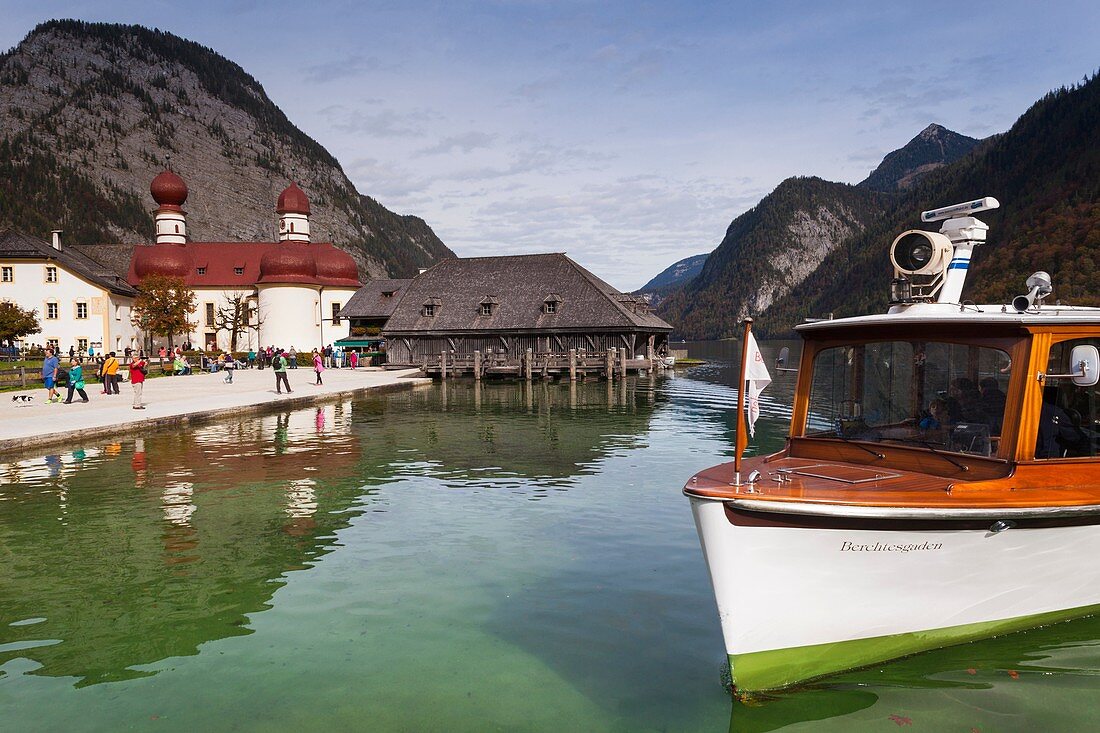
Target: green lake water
[[455, 558]]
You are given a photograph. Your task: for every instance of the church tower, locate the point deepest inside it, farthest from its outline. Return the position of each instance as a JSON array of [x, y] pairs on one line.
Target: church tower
[[169, 191], [293, 211]]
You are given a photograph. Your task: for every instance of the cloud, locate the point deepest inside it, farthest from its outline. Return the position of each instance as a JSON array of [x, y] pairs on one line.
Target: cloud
[[383, 180], [379, 123], [349, 66], [537, 89], [466, 142]]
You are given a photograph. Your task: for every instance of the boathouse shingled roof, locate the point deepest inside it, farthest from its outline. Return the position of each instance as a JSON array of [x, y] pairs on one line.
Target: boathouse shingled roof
[[371, 301], [18, 246], [521, 285]]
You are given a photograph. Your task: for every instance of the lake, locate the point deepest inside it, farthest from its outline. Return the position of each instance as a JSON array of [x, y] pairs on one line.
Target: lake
[[456, 557]]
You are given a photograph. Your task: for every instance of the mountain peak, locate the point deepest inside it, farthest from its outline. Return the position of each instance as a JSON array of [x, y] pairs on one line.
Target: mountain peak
[[935, 146]]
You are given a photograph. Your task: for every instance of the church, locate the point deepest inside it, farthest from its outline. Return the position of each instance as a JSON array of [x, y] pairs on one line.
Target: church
[[294, 288]]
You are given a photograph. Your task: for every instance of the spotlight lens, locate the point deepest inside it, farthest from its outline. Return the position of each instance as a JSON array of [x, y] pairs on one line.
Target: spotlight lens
[[913, 252]]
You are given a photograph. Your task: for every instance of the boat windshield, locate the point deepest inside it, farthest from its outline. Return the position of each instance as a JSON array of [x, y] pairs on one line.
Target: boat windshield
[[944, 396]]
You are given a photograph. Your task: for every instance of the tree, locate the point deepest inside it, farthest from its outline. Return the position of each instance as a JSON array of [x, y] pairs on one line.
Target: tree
[[16, 322], [235, 317], [164, 306]]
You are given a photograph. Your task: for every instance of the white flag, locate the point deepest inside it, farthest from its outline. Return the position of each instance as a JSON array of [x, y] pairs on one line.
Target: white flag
[[757, 377]]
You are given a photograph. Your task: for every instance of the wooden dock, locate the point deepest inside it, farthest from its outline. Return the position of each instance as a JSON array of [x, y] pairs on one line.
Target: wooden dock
[[612, 364]]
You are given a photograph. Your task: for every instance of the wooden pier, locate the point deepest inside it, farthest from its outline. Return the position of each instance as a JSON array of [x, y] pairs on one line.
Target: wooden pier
[[612, 364]]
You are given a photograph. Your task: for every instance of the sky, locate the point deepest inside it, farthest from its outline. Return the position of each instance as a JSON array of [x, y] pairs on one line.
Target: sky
[[628, 135]]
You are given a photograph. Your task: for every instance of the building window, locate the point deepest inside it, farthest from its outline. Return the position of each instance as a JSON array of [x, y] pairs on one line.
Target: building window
[[486, 309], [51, 312], [52, 344], [7, 274], [429, 310], [336, 314], [118, 312], [200, 270], [82, 344], [51, 274], [81, 310], [238, 270], [209, 314], [551, 307]]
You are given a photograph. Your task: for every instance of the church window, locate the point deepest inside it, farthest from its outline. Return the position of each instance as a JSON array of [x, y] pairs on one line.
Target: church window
[[7, 274], [292, 226], [81, 310], [336, 314], [51, 274], [200, 270], [238, 270], [177, 228], [51, 312], [209, 314]]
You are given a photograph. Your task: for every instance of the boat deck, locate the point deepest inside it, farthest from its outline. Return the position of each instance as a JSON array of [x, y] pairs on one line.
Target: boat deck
[[809, 481]]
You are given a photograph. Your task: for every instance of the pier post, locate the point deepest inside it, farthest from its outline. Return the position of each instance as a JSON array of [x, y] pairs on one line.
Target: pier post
[[443, 364], [610, 364], [622, 362], [477, 365], [572, 365], [527, 365]]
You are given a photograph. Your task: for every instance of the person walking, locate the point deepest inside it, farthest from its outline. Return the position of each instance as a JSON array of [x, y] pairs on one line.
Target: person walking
[[318, 365], [76, 381], [49, 376], [229, 365], [278, 363], [353, 357], [139, 367], [251, 358], [110, 374], [293, 356]]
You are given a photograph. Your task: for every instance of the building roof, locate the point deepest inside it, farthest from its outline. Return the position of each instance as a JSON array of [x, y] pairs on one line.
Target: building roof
[[372, 301], [292, 200], [18, 246], [218, 263], [521, 286]]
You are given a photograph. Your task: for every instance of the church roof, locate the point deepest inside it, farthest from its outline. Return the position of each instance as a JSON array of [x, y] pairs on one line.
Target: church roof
[[19, 246], [238, 264]]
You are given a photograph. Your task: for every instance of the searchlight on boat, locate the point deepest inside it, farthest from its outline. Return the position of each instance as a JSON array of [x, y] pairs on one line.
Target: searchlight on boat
[[931, 266]]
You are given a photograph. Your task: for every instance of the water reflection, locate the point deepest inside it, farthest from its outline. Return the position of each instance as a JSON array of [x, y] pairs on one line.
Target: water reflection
[[130, 552]]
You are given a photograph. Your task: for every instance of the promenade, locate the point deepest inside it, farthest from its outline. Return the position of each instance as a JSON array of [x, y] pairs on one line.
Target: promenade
[[172, 401]]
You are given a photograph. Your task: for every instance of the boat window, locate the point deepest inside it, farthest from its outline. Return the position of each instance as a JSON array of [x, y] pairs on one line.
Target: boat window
[[1069, 422], [940, 395]]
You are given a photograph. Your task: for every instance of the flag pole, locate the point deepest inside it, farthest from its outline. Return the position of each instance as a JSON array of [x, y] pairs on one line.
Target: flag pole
[[742, 437]]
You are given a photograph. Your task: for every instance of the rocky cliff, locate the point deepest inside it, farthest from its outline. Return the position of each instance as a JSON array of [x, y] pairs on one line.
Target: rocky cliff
[[90, 112]]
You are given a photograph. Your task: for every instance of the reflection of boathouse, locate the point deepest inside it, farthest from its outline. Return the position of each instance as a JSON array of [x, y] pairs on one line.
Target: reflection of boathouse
[[499, 310]]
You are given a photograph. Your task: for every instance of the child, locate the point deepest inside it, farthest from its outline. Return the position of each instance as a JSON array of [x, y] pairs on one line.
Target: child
[[76, 381]]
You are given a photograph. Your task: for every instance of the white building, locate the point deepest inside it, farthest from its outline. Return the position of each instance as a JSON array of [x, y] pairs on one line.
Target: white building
[[79, 302], [295, 287]]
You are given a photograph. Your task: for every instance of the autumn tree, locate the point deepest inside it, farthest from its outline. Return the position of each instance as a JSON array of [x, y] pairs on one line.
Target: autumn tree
[[16, 322], [235, 317], [164, 306]]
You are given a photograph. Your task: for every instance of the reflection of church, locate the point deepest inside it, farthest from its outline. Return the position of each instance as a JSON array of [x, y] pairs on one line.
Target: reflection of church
[[293, 288]]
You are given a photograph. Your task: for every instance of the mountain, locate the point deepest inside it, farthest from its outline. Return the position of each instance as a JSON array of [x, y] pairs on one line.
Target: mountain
[[1045, 172], [933, 148], [769, 250], [89, 112], [673, 276]]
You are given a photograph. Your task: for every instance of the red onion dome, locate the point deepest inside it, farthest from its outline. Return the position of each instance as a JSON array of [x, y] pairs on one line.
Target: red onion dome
[[289, 262], [168, 189], [170, 260], [292, 200], [336, 265]]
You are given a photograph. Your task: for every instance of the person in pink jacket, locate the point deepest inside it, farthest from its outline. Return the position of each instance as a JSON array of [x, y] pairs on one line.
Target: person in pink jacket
[[318, 365]]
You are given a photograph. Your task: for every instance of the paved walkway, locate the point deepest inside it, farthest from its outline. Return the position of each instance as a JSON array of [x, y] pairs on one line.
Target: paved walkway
[[175, 400]]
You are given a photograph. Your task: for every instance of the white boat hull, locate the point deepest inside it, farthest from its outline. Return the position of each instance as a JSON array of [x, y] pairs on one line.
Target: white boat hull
[[784, 588]]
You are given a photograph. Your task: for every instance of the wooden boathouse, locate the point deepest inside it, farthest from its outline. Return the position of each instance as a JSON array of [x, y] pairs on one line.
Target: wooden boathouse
[[521, 316]]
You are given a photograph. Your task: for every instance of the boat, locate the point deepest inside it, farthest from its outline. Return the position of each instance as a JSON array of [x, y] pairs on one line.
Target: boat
[[939, 483]]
